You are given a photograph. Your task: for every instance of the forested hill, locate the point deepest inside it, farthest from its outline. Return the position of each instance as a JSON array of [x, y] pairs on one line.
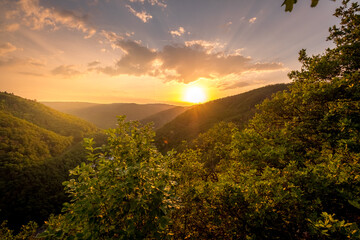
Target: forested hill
[[161, 118], [200, 118], [38, 146], [104, 115], [45, 117]]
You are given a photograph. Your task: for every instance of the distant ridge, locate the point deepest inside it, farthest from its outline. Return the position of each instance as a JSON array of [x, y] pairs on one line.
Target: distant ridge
[[104, 115], [200, 118]]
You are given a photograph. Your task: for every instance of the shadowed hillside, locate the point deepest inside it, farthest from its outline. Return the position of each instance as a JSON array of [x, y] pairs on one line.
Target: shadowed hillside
[[198, 119], [38, 146]]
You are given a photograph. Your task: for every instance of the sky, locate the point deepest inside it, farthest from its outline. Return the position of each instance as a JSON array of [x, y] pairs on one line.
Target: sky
[[151, 51]]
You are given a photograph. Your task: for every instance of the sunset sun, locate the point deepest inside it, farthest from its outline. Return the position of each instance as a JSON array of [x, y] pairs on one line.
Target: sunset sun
[[195, 94]]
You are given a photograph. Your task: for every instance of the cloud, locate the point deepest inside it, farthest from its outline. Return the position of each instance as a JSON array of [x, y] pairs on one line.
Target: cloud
[[143, 15], [15, 62], [112, 38], [66, 71], [240, 84], [182, 63], [252, 20], [178, 32], [136, 61], [31, 74], [37, 17], [6, 48], [252, 78], [209, 46], [12, 27], [152, 2], [227, 26], [93, 64]]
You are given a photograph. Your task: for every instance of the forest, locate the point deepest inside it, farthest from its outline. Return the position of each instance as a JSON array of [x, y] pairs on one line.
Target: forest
[[290, 170]]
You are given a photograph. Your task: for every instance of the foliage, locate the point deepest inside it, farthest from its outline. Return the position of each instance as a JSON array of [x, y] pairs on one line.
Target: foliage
[[34, 191], [122, 193], [37, 148], [289, 4], [27, 232], [328, 227]]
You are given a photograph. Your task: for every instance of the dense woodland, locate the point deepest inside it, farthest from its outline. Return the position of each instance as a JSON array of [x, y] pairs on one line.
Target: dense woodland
[[38, 147], [291, 172]]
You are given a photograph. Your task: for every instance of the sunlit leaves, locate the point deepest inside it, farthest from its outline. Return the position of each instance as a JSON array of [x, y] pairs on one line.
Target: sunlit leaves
[[123, 192]]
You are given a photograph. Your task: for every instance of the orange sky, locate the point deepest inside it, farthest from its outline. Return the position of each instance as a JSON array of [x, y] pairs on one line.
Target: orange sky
[[148, 51]]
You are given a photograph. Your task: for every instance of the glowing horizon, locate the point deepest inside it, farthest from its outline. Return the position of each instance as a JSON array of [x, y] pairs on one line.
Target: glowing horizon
[[149, 51]]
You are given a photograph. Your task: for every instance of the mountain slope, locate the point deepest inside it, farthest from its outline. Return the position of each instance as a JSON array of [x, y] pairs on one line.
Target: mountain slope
[[24, 142], [238, 109], [161, 118], [38, 146], [45, 117], [104, 115]]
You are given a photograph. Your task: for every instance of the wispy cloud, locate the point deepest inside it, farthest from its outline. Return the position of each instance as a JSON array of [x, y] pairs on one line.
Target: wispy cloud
[[93, 64], [16, 62], [31, 74], [12, 27], [37, 17], [6, 48], [143, 15], [178, 32], [152, 2], [66, 71], [252, 20], [182, 63]]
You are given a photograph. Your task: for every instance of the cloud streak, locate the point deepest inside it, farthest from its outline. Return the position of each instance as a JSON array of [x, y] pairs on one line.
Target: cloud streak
[[6, 48], [143, 15], [159, 3], [178, 32], [37, 17], [252, 20], [66, 71], [182, 63]]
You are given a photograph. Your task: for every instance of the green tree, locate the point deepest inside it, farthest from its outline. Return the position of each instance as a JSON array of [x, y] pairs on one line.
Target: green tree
[[123, 192]]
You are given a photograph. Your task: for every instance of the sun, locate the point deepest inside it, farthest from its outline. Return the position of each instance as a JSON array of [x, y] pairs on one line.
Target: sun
[[195, 94]]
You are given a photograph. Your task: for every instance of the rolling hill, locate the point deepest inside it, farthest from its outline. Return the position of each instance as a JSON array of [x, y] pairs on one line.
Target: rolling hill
[[104, 115], [161, 118], [38, 146], [45, 117], [198, 119]]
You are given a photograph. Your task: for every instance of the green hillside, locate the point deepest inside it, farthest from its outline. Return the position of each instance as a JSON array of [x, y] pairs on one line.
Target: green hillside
[[24, 142], [238, 109], [45, 117], [161, 118], [104, 115], [38, 146]]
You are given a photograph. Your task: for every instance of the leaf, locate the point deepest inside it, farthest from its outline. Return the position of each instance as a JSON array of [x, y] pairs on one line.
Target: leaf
[[289, 4], [314, 3], [355, 203]]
